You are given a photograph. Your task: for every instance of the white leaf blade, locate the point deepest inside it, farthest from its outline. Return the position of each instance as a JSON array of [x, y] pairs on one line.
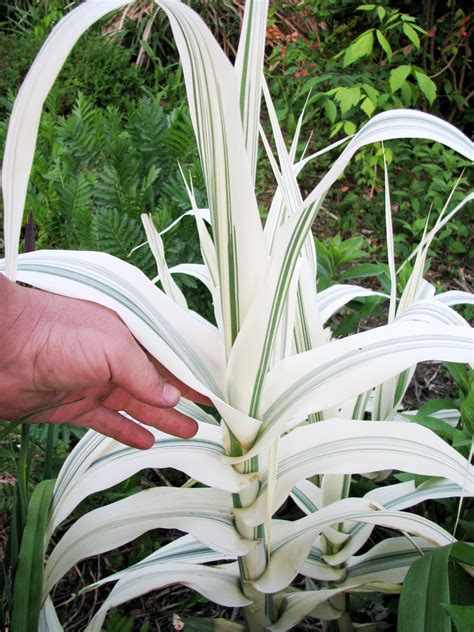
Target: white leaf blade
[[249, 69], [353, 447], [182, 344], [319, 379], [200, 458], [205, 513], [213, 97], [219, 585], [26, 113]]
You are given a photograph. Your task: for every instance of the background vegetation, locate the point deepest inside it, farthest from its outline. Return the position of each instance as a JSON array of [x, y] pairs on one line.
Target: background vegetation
[[113, 131]]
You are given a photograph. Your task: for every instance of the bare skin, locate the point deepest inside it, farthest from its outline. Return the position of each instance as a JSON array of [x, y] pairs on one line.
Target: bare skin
[[55, 350]]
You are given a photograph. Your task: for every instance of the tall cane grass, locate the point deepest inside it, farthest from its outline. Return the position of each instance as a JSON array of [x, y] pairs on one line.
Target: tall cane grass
[[301, 413]]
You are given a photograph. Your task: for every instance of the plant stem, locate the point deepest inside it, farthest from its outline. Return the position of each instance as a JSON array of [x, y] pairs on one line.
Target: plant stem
[[48, 458], [260, 613], [23, 473]]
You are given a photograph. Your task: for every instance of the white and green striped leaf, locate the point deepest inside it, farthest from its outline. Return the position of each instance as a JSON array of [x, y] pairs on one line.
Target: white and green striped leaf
[[185, 549], [213, 96], [156, 245], [353, 447], [290, 551], [199, 458], [205, 513], [316, 380], [388, 561], [249, 69], [25, 117], [336, 296], [247, 372], [188, 349], [432, 312], [455, 297], [297, 606], [315, 567], [48, 620], [218, 585]]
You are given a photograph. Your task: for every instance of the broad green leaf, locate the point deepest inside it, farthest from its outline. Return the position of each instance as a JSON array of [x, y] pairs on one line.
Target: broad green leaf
[[411, 34], [200, 458], [205, 513], [398, 76], [218, 585], [347, 98], [462, 616], [362, 270], [28, 585], [360, 48], [25, 117], [426, 588], [427, 85], [467, 411], [330, 110]]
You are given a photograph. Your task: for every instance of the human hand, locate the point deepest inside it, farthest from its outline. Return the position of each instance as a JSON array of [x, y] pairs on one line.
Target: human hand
[[56, 350]]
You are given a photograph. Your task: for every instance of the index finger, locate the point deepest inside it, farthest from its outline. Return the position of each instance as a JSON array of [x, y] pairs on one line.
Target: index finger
[[186, 391]]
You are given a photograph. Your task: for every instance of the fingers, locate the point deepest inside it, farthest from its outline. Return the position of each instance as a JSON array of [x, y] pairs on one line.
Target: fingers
[[131, 370], [111, 424], [185, 390], [167, 420]]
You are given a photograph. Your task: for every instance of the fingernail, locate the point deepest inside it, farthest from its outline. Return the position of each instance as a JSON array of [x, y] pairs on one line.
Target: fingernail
[[171, 394]]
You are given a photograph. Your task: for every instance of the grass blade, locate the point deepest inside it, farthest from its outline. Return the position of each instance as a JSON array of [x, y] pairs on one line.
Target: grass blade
[[27, 593]]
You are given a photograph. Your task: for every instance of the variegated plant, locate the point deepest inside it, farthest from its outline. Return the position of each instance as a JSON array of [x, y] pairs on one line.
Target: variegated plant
[[293, 402]]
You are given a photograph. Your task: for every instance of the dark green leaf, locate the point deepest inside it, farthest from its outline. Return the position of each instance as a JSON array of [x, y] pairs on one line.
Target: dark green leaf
[[28, 587], [433, 583], [462, 616], [362, 270]]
